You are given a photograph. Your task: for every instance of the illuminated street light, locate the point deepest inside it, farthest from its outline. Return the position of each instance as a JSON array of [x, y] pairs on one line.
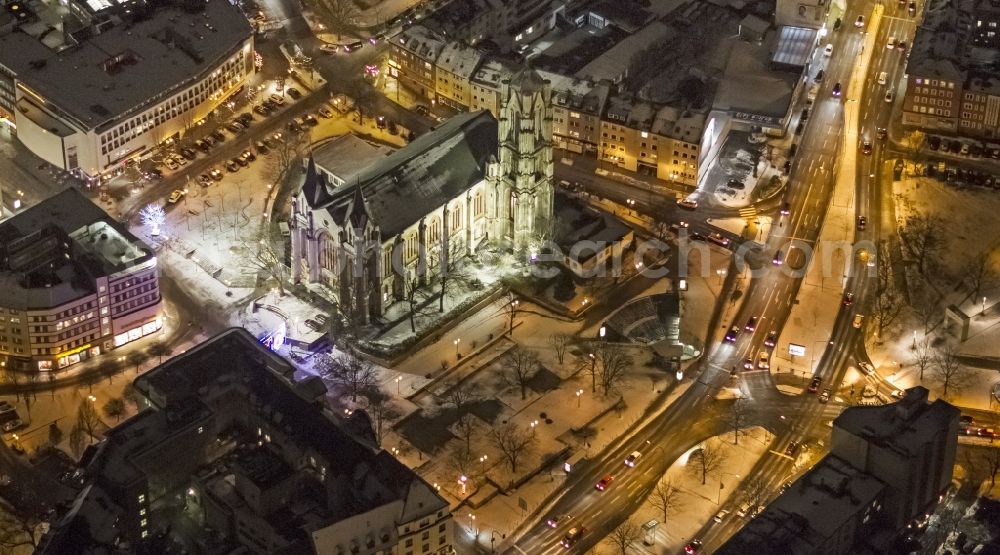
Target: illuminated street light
[[579, 393]]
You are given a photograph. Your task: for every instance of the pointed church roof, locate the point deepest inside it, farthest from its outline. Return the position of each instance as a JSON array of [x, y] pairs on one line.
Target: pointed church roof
[[528, 81], [359, 212], [314, 187], [400, 189]]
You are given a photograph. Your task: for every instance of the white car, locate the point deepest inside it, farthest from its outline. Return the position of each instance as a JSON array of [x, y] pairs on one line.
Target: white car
[[175, 196], [867, 367], [763, 361], [721, 515], [888, 96], [891, 44], [329, 48], [171, 164], [13, 425], [632, 459], [687, 203], [828, 51]]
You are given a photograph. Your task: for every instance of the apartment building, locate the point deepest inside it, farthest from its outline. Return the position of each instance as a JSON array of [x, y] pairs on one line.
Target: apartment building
[[577, 108], [485, 84], [75, 284], [455, 67], [412, 60], [127, 80], [259, 463]]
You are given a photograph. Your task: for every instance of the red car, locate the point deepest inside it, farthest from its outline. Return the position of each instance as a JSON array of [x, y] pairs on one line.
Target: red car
[[604, 482]]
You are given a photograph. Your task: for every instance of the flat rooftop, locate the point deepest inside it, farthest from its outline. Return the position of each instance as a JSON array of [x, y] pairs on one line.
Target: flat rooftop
[[904, 426], [52, 251], [348, 156], [809, 512], [128, 66]]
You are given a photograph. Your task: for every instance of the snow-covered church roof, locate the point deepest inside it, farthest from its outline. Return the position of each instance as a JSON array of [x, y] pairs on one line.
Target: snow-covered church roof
[[410, 183]]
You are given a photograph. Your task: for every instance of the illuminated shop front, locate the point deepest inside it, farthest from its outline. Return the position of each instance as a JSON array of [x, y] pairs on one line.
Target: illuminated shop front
[[137, 332]]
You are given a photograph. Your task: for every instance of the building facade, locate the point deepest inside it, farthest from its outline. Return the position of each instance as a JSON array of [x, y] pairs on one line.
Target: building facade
[[90, 102], [406, 219], [76, 284], [455, 67], [412, 60]]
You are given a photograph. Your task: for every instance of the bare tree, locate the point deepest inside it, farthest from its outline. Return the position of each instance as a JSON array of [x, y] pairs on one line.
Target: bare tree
[[137, 358], [87, 418], [520, 364], [927, 304], [18, 531], [624, 537], [55, 434], [948, 370], [589, 364], [77, 440], [288, 153], [460, 396], [888, 303], [115, 408], [349, 370], [264, 251], [923, 235], [510, 309], [132, 396], [613, 361], [465, 429], [738, 414], [159, 350], [559, 343], [381, 410], [754, 493], [512, 441], [706, 460], [923, 358], [991, 458], [665, 498], [460, 460], [450, 275], [979, 273]]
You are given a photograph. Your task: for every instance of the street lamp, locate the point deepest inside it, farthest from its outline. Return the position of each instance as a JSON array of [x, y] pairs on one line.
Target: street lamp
[[456, 342], [579, 393], [397, 380], [462, 481]]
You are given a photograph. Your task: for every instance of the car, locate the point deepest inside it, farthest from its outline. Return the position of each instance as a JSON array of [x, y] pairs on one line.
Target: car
[[866, 146], [901, 46], [277, 99], [6, 407], [13, 425], [736, 184], [867, 367], [772, 339], [692, 547], [324, 112], [848, 299], [277, 136], [260, 147], [805, 114], [800, 127], [175, 196], [964, 151], [215, 174], [825, 396], [891, 43], [965, 421], [632, 459], [881, 133], [751, 324], [294, 126], [862, 223], [883, 77], [748, 509], [204, 180], [329, 48], [248, 155], [171, 164], [270, 144], [573, 536], [294, 93], [261, 110], [859, 22], [819, 76], [244, 162], [779, 258], [687, 203], [858, 319], [911, 8], [793, 449], [235, 127], [718, 239], [219, 136], [422, 110], [676, 227], [889, 96], [201, 145], [837, 23], [828, 51], [720, 516], [232, 166], [553, 521], [245, 118], [732, 334], [763, 360], [836, 89], [814, 384], [154, 173], [987, 432], [271, 105], [604, 482], [747, 364], [310, 120], [351, 47]]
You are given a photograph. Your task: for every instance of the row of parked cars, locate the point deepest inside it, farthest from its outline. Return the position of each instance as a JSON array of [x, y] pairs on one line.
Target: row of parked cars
[[961, 176], [963, 148]]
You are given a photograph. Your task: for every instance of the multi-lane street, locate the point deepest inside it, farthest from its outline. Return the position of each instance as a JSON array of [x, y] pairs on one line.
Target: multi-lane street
[[696, 415]]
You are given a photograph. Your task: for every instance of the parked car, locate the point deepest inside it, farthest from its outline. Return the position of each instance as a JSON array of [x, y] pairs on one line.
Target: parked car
[[215, 174], [175, 196], [310, 120], [248, 155], [261, 110], [171, 164], [204, 180], [232, 166], [329, 48], [277, 99], [235, 127], [323, 112], [201, 145], [245, 118], [294, 93], [219, 136], [261, 147], [862, 223], [189, 153], [13, 425], [720, 516]]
